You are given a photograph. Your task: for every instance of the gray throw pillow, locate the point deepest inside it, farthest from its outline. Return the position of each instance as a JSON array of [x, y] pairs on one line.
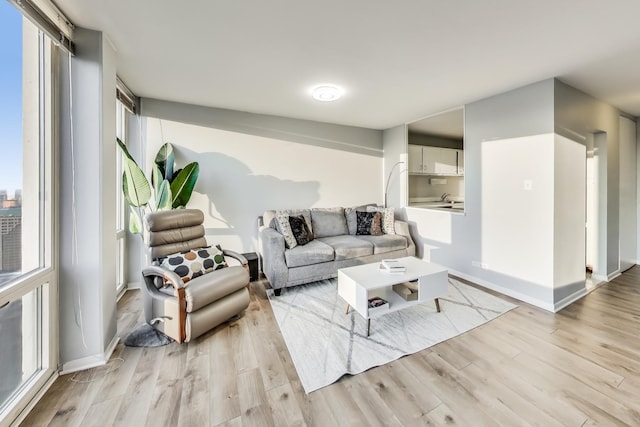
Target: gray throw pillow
[[284, 227]]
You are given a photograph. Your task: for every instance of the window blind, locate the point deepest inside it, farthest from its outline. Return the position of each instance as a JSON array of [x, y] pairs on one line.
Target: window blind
[[124, 95], [46, 16]]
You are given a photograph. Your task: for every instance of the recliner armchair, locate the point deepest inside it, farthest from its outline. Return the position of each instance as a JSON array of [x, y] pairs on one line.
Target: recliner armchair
[[187, 310]]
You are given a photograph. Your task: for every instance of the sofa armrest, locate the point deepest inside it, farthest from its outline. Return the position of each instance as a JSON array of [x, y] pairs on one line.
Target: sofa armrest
[[272, 250], [402, 229]]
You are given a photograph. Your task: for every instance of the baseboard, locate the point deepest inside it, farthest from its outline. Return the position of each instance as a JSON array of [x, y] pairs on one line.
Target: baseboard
[[134, 285], [509, 292], [609, 277], [613, 275], [90, 361], [569, 299]]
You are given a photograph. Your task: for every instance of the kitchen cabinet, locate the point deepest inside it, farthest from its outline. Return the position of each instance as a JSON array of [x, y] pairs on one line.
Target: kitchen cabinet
[[434, 160], [415, 158], [460, 161]]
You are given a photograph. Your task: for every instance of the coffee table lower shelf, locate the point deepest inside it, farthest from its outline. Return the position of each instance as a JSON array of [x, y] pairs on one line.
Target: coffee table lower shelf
[[395, 303], [357, 284]]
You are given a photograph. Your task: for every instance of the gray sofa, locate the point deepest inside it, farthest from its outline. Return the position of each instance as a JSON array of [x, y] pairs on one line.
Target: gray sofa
[[335, 245]]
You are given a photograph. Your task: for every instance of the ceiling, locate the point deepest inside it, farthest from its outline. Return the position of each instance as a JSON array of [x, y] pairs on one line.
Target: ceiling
[[397, 61], [448, 124]]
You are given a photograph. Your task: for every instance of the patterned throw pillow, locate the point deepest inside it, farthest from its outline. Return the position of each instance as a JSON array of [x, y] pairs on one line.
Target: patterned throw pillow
[[194, 263], [388, 218], [369, 223], [350, 215], [284, 227], [300, 230]]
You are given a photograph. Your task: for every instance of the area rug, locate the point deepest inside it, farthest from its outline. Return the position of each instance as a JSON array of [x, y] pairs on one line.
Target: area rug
[[325, 343]]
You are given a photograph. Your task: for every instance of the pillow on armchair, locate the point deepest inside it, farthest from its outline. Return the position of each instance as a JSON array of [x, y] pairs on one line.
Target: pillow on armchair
[[195, 263]]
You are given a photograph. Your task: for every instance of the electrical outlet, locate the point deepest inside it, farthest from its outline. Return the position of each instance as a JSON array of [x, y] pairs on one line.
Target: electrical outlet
[[479, 264], [528, 185]]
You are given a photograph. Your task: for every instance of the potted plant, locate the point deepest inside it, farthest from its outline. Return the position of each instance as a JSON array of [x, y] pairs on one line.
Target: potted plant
[[169, 188]]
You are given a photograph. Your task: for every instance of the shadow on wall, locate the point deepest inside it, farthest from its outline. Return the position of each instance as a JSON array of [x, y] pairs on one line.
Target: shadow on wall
[[237, 197]]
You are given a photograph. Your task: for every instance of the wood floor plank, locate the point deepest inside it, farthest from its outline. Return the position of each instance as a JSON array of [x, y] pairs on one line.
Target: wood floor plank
[[195, 396], [284, 407], [578, 367], [374, 409], [224, 400]]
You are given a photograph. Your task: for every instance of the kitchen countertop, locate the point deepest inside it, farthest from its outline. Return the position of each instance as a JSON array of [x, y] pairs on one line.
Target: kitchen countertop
[[456, 205]]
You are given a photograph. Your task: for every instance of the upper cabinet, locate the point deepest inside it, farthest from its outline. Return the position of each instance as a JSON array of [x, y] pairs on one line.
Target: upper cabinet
[[435, 160]]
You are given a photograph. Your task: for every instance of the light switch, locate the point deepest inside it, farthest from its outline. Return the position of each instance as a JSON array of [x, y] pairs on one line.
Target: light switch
[[528, 185]]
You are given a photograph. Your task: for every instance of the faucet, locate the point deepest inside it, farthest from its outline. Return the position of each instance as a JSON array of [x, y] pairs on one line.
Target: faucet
[[444, 197]]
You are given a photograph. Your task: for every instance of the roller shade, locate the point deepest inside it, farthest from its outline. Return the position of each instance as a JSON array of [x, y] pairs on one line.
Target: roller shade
[[45, 15], [124, 95]]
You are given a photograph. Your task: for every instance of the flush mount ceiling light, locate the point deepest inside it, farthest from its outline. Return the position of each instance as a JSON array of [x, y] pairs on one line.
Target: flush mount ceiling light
[[326, 92]]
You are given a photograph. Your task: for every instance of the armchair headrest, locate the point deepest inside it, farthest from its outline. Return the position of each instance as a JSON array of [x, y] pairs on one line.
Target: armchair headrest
[[174, 231], [178, 218]]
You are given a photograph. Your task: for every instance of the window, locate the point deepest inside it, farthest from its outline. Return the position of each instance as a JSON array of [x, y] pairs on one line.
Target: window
[[121, 206], [28, 288]]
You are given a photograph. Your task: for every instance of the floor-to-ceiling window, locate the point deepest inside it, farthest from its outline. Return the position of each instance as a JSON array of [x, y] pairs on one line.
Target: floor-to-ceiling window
[[121, 207], [28, 286]]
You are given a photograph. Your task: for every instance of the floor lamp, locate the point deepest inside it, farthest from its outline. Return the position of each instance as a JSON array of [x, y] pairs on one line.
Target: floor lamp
[[386, 188]]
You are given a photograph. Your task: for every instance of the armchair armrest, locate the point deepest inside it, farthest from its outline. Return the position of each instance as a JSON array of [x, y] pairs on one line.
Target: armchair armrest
[[152, 271], [241, 258]]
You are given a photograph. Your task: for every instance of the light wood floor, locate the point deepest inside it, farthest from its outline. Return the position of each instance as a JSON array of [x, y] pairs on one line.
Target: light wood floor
[[580, 367]]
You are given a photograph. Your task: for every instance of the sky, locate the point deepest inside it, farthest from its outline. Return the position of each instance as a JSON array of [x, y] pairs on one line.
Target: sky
[[10, 98]]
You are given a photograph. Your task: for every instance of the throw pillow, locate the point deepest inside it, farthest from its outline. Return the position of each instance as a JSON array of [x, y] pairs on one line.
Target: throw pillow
[[350, 215], [300, 230], [368, 223], [388, 218], [194, 263], [284, 227]]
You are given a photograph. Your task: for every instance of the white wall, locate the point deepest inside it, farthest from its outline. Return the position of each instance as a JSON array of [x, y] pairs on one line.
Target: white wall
[[517, 208], [395, 177], [87, 202], [628, 194], [576, 115], [242, 173], [532, 251], [569, 210]]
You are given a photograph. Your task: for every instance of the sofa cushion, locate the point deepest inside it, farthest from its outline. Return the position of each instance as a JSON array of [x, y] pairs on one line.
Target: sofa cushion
[[386, 242], [313, 252], [328, 222], [347, 247]]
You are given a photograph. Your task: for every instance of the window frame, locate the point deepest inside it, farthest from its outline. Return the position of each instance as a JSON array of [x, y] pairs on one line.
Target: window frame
[[43, 279]]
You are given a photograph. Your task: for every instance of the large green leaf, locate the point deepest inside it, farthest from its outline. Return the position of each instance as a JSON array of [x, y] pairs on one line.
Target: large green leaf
[[182, 185], [123, 148], [163, 197], [135, 225], [165, 160], [156, 178], [134, 184]]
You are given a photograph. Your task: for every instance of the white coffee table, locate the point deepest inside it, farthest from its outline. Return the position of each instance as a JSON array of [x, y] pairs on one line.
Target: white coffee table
[[357, 284]]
